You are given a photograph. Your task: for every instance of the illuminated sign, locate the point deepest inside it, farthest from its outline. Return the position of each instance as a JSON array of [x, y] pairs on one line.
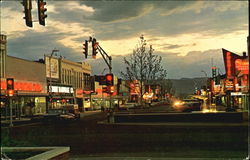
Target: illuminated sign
[[229, 66], [24, 86], [229, 61], [229, 84], [61, 89], [242, 66], [134, 88], [217, 88], [79, 92], [236, 94]]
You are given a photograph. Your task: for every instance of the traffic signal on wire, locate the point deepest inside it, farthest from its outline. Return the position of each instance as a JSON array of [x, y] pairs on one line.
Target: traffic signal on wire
[[109, 79], [10, 86], [41, 11], [27, 11], [85, 48], [94, 48]]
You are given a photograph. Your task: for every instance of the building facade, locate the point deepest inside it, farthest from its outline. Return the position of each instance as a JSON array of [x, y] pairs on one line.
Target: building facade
[[30, 87], [3, 49], [67, 81], [231, 89]]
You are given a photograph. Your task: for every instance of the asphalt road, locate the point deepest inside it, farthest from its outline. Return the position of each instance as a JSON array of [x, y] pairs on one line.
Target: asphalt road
[[89, 140]]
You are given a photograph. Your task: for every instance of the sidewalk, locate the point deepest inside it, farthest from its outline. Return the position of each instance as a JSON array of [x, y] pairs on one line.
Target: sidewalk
[[15, 122]]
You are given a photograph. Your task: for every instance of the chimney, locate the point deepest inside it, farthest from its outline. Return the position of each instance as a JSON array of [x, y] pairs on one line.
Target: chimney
[[244, 54]]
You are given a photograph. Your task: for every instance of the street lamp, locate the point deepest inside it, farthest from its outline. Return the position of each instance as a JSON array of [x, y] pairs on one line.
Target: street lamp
[[50, 78], [204, 73], [207, 92]]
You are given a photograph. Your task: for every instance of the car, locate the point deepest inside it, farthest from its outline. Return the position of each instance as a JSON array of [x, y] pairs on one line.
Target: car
[[59, 115], [128, 105], [187, 105]]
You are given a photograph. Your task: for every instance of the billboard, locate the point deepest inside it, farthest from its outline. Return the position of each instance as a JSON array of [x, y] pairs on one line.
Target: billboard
[[52, 67]]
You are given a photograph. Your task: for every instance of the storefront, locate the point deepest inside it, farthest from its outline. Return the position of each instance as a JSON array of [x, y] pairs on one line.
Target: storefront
[[83, 99], [29, 99], [239, 100], [60, 95], [236, 81]]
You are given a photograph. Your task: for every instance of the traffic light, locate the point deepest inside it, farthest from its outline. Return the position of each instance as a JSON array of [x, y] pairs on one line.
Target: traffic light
[[27, 11], [104, 89], [41, 11], [109, 79], [214, 72], [111, 89], [94, 48], [10, 86], [85, 48], [108, 89]]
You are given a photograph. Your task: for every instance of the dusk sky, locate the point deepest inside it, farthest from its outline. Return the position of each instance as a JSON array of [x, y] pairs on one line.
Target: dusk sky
[[189, 35]]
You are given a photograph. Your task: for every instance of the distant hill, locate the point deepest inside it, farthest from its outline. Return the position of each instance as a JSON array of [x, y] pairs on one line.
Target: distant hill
[[186, 86]]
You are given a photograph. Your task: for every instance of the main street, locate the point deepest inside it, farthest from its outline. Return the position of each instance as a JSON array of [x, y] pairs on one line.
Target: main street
[[89, 139]]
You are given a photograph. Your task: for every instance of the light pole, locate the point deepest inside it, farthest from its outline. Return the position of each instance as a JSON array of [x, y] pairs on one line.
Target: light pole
[[50, 75], [208, 94], [204, 73]]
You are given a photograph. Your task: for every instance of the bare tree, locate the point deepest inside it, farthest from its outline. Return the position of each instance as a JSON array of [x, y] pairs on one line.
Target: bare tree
[[143, 65]]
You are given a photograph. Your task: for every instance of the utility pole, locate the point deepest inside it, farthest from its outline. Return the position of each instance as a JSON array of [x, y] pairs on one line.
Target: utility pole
[[106, 58]]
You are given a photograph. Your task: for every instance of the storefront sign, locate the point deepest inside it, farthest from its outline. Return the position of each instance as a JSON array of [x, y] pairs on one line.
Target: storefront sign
[[229, 64], [79, 93], [61, 89], [241, 65], [134, 88], [217, 88], [24, 86], [236, 94], [229, 84]]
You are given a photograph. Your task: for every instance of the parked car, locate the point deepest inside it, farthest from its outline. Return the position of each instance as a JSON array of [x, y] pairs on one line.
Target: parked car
[[187, 105], [72, 108], [128, 105], [59, 115]]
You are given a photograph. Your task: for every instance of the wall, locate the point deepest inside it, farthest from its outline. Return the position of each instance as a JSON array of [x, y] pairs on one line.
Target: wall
[[25, 70]]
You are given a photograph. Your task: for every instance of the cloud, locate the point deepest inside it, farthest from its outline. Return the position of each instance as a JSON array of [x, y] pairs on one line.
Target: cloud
[[177, 30], [118, 11], [177, 66], [175, 46], [175, 7]]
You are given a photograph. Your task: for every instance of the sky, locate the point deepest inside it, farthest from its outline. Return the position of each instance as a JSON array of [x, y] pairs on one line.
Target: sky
[[189, 35]]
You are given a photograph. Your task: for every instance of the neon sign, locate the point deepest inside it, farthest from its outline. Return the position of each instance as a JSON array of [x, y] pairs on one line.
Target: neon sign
[[24, 86], [229, 66], [242, 65]]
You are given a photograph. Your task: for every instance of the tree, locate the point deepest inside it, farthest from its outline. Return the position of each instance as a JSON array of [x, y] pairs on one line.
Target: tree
[[166, 87], [143, 65]]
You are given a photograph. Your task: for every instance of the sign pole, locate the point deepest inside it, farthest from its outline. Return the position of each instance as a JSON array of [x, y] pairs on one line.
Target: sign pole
[[11, 114]]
